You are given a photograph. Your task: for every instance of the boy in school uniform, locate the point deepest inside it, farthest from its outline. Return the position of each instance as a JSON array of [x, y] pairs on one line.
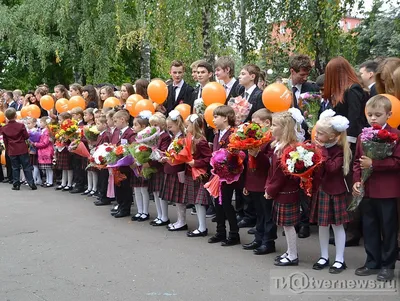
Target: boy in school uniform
[[225, 72], [379, 205], [14, 137], [204, 76]]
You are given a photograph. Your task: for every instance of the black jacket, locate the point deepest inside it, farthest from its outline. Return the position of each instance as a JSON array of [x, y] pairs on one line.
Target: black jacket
[[185, 96]]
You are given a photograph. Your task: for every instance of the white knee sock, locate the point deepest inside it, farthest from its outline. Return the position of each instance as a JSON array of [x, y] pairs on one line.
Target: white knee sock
[[340, 243], [201, 216], [95, 180], [64, 178], [70, 177], [291, 239], [89, 180], [36, 175], [138, 199], [158, 204], [49, 176], [323, 233], [146, 199], [181, 210], [164, 210]]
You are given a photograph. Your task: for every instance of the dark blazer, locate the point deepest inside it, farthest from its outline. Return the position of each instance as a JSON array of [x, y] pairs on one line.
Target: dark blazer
[[13, 105], [173, 169], [372, 91], [224, 140], [324, 107], [236, 90], [255, 179], [184, 96], [201, 156], [162, 144], [114, 137], [384, 180], [194, 96], [282, 188], [103, 138], [256, 100], [330, 176], [14, 137], [305, 87], [129, 135]]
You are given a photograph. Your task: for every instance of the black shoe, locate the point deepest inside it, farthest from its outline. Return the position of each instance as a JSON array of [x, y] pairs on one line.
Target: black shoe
[[122, 214], [335, 270], [67, 188], [214, 219], [85, 192], [135, 217], [59, 187], [365, 271], [264, 249], [354, 242], [231, 241], [172, 228], [304, 232], [385, 274], [76, 190], [216, 238], [318, 266], [101, 203], [245, 224], [33, 186], [153, 221], [143, 217], [160, 223], [251, 246], [15, 187], [251, 231], [197, 233], [286, 262]]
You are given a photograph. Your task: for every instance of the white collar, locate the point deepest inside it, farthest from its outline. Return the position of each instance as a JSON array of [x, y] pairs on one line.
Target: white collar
[[384, 126], [251, 89], [178, 134], [231, 83], [102, 132], [298, 86], [123, 130], [222, 132], [371, 85], [178, 85]]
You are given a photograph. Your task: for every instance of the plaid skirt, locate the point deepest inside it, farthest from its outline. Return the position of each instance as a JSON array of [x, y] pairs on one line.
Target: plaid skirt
[[156, 182], [172, 190], [63, 160], [194, 192], [286, 214], [138, 181], [329, 209], [33, 159], [46, 166]]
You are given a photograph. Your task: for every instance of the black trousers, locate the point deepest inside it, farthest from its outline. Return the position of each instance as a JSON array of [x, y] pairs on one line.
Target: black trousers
[[123, 192], [239, 202], [249, 209], [226, 211], [17, 162], [305, 209], [379, 217], [102, 183], [266, 229], [9, 167], [79, 171]]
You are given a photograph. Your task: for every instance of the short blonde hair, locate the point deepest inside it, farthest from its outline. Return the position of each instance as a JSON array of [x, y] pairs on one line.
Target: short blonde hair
[[263, 115], [379, 101], [158, 119], [122, 114], [77, 111]]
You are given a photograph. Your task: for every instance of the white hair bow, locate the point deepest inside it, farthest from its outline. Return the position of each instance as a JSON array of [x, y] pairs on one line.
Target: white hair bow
[[174, 114], [146, 114]]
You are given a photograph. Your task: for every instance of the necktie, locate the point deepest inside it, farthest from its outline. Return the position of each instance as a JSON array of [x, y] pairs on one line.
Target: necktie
[[246, 95], [174, 92], [294, 90], [226, 90], [120, 134]]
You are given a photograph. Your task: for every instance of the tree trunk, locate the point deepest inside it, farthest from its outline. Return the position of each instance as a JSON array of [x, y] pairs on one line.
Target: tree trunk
[[145, 60], [243, 43], [206, 20]]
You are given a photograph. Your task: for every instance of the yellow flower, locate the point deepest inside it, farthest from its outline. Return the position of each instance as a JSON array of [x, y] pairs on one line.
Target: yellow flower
[[94, 130], [294, 155]]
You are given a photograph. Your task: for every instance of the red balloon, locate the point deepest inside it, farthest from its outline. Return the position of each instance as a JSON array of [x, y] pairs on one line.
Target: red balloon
[[157, 91], [213, 93], [277, 97], [76, 101], [209, 114]]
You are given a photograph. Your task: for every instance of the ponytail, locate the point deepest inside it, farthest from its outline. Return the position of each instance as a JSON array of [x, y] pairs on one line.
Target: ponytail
[[346, 152]]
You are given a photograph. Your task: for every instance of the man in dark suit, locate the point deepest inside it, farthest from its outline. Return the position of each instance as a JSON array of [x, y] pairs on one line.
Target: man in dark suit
[[367, 73], [9, 99], [179, 91], [204, 76], [225, 72]]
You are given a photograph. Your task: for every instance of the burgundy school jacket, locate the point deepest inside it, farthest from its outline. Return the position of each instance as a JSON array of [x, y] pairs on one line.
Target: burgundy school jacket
[[162, 144], [384, 180], [129, 135], [103, 138], [201, 156], [173, 169], [15, 136], [114, 136], [282, 188], [255, 179], [329, 176]]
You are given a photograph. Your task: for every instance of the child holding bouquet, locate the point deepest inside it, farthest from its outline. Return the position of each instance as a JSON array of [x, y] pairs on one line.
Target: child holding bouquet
[[45, 152], [140, 185], [34, 136], [224, 120], [156, 181], [63, 159], [328, 205], [380, 190], [172, 190], [281, 187], [194, 192]]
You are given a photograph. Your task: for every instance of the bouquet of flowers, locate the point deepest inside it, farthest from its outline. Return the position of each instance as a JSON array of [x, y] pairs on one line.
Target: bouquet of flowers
[[248, 136], [98, 159], [69, 131], [53, 129], [176, 146], [148, 136], [241, 107], [91, 132], [141, 154], [34, 136], [227, 167], [300, 161], [311, 103], [2, 146], [115, 154], [377, 144], [199, 106]]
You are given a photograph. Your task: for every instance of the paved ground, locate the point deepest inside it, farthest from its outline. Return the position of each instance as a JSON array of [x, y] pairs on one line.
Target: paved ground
[[55, 246]]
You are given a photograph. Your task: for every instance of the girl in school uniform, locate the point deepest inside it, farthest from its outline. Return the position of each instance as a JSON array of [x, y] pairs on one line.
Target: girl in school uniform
[[156, 181], [92, 173], [45, 152], [63, 160], [31, 125], [328, 206], [282, 188], [172, 189]]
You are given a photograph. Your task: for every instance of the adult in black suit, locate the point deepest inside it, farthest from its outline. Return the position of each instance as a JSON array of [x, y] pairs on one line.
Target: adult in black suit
[[367, 74], [225, 72], [9, 99], [179, 91]]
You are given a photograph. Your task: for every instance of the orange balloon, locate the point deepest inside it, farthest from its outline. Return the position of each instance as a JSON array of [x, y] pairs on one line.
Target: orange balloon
[[2, 117], [184, 109], [394, 120], [157, 91], [19, 115], [62, 105], [111, 102], [76, 101], [47, 102], [143, 105], [3, 158], [131, 102], [24, 112], [209, 113], [33, 111], [277, 97], [213, 93], [313, 132]]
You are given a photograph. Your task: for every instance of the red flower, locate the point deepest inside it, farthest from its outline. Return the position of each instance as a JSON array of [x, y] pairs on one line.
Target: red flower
[[383, 134], [299, 166], [393, 137], [377, 127], [119, 150], [101, 158], [143, 148], [251, 133], [108, 149], [315, 159]]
